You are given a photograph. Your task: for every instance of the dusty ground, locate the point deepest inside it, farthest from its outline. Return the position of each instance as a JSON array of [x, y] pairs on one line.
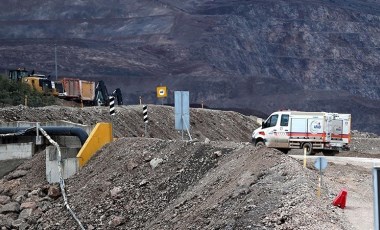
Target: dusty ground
[[217, 181]]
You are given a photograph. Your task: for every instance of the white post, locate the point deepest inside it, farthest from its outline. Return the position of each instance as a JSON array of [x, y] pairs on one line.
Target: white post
[[304, 157]]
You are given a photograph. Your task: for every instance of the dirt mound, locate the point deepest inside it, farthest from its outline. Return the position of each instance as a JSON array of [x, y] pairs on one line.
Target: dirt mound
[[146, 183], [128, 121], [217, 181]]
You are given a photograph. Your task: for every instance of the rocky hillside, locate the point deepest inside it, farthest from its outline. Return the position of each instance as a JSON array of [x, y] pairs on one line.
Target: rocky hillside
[[253, 55], [219, 181]]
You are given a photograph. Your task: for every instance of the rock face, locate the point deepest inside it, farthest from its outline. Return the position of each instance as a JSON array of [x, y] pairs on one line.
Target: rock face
[[253, 55]]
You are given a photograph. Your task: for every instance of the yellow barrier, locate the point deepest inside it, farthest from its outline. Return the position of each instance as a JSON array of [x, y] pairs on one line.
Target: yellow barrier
[[100, 135]]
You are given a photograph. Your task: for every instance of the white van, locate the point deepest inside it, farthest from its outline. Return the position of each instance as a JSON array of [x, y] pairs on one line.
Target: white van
[[311, 131]]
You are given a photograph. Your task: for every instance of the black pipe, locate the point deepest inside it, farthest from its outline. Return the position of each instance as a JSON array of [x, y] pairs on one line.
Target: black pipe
[[51, 130]]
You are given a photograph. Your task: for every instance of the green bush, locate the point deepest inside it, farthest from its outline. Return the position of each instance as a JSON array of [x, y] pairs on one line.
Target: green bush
[[15, 93]]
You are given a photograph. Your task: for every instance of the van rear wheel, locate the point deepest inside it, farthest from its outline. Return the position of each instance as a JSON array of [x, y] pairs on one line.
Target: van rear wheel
[[260, 144], [308, 148]]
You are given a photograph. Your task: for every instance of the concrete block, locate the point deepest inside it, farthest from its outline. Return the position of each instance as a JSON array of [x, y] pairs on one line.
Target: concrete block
[[69, 163], [16, 151]]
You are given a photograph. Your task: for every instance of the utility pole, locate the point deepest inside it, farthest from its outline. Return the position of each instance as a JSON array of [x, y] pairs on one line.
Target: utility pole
[[55, 54]]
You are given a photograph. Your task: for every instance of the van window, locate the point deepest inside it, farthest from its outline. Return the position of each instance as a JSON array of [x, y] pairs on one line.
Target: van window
[[272, 121], [284, 120]]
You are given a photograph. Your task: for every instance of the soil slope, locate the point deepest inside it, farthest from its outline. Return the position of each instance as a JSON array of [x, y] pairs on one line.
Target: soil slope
[[217, 181]]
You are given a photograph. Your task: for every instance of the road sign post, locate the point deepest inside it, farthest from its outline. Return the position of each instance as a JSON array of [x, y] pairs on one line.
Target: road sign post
[[112, 111], [112, 105], [320, 164], [304, 158], [145, 115], [162, 92], [376, 196]]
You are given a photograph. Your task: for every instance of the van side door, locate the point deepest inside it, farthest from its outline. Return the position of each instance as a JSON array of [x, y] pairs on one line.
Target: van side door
[[270, 129], [283, 132]]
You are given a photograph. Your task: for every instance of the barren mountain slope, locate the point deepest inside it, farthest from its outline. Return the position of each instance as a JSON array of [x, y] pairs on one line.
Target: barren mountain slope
[[260, 55]]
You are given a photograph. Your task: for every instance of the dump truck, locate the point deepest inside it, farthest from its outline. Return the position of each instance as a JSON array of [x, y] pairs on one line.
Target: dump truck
[[58, 89], [79, 90], [86, 91], [311, 131]]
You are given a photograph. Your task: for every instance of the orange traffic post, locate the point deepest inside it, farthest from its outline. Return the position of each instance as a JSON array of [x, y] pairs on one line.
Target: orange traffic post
[[340, 200]]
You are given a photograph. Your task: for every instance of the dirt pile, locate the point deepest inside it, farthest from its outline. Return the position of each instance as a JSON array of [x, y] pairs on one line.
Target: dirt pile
[[128, 121], [217, 181], [141, 183]]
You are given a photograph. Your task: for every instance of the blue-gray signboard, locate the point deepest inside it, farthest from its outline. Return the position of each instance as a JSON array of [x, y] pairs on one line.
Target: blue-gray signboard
[[181, 109], [320, 163]]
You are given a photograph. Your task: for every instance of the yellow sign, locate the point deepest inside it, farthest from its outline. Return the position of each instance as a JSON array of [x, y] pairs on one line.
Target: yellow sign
[[162, 91]]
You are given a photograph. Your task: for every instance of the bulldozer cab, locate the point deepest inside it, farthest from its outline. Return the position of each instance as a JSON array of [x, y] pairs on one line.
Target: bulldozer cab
[[17, 74]]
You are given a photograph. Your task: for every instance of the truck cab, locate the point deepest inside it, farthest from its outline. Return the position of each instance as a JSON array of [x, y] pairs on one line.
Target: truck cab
[[274, 132]]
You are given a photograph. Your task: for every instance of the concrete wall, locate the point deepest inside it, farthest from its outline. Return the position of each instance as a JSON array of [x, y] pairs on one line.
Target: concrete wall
[[65, 141], [16, 151], [69, 163], [22, 147]]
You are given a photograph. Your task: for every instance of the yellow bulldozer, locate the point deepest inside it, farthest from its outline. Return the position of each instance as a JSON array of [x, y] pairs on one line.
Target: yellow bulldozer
[[37, 81]]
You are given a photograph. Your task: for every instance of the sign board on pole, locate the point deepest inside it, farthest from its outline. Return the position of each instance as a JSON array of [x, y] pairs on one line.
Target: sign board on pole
[[320, 163], [161, 91], [182, 110]]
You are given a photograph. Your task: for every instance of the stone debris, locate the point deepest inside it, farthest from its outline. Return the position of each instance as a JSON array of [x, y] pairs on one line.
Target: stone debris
[[166, 183]]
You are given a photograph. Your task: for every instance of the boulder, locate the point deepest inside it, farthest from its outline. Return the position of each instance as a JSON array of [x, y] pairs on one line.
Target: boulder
[[4, 199], [28, 205], [16, 174], [10, 207], [155, 162], [54, 192], [26, 213], [116, 221]]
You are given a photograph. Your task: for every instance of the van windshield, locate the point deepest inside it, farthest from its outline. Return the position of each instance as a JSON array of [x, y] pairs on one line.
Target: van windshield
[[272, 121]]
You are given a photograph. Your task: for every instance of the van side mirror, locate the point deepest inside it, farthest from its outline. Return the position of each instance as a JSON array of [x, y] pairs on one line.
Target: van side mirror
[[262, 124]]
